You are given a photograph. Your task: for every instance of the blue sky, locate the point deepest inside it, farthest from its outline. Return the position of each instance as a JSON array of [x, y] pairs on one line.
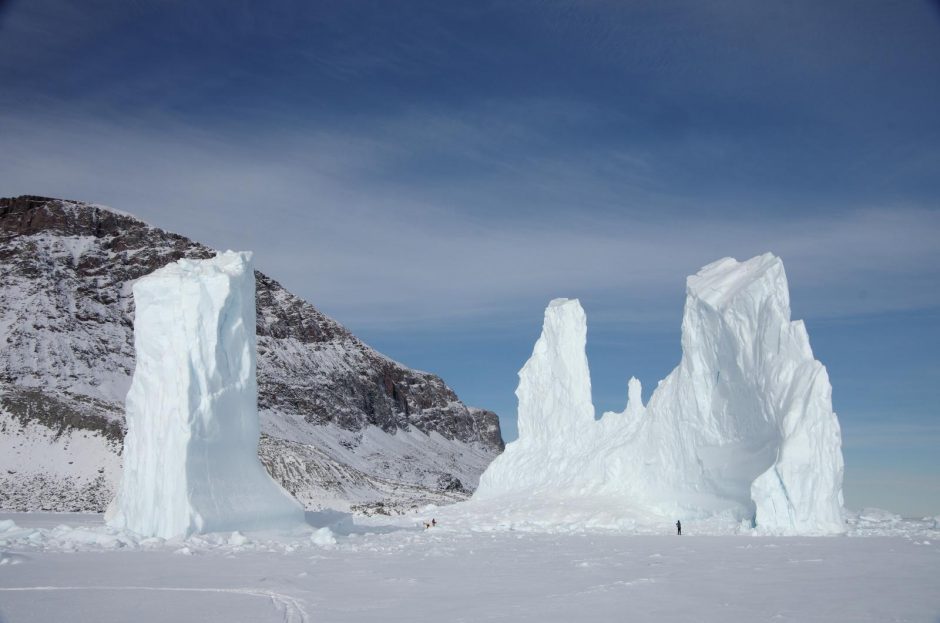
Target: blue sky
[[432, 173]]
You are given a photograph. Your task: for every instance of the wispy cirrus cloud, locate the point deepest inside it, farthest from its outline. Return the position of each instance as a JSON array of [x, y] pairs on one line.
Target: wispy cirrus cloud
[[329, 215]]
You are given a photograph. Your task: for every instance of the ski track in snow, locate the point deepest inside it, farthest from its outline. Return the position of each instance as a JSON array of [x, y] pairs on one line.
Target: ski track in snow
[[291, 607], [388, 569]]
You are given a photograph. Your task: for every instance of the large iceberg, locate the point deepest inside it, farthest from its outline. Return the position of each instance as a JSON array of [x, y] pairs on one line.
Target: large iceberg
[[741, 431], [190, 453]]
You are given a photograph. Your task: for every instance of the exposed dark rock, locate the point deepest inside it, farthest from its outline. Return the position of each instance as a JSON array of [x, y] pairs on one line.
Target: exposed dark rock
[[66, 328], [62, 413], [448, 482]]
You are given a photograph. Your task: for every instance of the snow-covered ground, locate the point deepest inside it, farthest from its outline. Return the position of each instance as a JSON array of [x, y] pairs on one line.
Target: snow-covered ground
[[56, 567]]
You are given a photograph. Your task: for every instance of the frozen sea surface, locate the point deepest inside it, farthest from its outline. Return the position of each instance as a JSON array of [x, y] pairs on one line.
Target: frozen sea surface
[[71, 567]]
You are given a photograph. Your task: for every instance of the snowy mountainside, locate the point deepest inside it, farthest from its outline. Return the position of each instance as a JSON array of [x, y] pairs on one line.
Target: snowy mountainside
[[342, 425]]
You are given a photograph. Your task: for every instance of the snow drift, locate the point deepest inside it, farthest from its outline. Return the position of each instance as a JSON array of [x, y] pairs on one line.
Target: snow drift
[[741, 431], [190, 454]]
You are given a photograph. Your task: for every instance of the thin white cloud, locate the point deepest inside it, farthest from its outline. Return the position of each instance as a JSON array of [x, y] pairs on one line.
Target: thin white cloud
[[326, 218]]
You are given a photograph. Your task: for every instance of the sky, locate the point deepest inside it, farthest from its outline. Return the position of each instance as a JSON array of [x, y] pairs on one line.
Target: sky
[[431, 174]]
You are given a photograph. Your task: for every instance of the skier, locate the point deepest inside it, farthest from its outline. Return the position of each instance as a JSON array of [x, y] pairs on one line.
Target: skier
[[433, 522], [679, 528]]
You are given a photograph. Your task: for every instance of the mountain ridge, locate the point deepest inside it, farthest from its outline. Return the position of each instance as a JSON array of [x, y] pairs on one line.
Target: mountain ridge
[[342, 424]]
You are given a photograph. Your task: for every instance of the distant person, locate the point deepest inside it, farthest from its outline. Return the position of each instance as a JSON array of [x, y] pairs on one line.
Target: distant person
[[679, 528], [433, 522]]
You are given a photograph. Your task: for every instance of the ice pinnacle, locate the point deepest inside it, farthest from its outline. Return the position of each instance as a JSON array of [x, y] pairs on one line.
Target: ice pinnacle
[[190, 454], [742, 430]]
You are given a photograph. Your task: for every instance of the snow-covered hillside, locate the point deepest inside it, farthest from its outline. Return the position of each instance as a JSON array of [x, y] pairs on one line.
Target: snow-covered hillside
[[342, 425]]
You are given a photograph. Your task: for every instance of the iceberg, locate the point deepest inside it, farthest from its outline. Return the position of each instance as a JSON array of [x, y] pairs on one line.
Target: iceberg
[[190, 452], [742, 430]]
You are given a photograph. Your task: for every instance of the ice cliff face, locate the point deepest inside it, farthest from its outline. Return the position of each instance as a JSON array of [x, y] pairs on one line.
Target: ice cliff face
[[742, 429], [341, 425], [191, 449]]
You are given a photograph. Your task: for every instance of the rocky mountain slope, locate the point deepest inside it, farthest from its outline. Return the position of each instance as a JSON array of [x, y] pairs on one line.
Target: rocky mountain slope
[[342, 425]]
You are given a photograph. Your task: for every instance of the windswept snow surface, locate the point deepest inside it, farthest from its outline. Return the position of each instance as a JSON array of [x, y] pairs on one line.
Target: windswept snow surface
[[190, 454], [742, 432], [342, 568]]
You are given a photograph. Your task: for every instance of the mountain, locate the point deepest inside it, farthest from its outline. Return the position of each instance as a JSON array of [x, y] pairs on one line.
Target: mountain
[[342, 425]]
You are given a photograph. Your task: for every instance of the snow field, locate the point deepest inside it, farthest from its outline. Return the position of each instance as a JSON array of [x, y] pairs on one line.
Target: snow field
[[405, 573]]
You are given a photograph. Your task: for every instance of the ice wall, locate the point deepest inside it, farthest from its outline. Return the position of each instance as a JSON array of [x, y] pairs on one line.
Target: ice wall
[[742, 429], [190, 453]]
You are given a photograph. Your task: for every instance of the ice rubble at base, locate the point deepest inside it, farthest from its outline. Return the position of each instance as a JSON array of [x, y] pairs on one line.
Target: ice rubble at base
[[29, 533], [190, 454], [85, 532], [741, 432]]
